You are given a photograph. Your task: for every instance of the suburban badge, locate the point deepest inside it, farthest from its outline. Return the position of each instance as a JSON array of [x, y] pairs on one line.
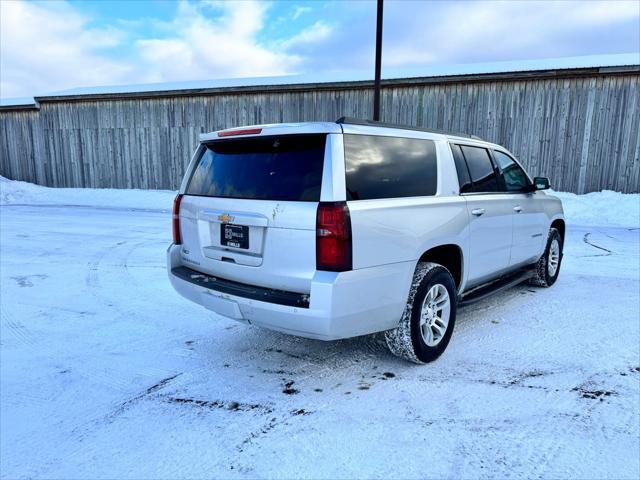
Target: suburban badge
[[225, 218]]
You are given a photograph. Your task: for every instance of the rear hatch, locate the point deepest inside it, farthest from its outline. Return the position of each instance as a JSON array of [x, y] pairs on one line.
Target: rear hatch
[[249, 210]]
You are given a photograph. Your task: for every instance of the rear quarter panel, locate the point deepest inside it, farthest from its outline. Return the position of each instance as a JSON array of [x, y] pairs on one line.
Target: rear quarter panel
[[402, 229]]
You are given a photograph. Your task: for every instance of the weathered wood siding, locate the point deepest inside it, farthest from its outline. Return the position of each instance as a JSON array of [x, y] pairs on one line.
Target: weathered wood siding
[[583, 132]]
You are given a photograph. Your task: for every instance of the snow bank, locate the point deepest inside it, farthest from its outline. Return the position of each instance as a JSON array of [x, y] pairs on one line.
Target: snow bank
[[13, 192], [604, 208]]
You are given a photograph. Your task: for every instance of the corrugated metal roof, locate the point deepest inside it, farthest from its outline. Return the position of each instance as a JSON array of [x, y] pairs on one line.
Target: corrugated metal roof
[[27, 102], [431, 71]]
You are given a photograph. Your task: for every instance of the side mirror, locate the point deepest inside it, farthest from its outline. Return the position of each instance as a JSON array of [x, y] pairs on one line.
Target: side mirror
[[541, 183]]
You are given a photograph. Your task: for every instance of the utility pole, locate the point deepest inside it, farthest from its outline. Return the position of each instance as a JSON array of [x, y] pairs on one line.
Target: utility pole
[[376, 86]]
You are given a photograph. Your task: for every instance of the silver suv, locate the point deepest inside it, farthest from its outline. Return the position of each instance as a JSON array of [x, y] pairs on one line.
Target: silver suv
[[333, 230]]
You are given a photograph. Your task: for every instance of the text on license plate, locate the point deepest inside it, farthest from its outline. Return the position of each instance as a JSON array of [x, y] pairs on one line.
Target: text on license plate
[[236, 236]]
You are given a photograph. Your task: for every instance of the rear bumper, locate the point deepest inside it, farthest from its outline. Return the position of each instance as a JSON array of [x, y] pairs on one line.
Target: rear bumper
[[269, 295], [340, 305]]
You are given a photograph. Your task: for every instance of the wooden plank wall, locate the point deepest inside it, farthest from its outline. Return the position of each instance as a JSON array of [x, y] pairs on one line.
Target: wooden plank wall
[[583, 132]]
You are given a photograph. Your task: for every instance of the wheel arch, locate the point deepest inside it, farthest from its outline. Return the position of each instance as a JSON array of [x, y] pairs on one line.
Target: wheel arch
[[450, 256], [559, 225]]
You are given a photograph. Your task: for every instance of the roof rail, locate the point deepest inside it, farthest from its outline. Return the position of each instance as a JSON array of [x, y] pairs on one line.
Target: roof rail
[[372, 123]]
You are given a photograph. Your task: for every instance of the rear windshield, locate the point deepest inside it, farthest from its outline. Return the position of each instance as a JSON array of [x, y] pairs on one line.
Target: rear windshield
[[287, 168]]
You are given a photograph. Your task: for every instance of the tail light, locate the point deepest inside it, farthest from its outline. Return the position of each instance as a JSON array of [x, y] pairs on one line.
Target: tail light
[[177, 238], [333, 237]]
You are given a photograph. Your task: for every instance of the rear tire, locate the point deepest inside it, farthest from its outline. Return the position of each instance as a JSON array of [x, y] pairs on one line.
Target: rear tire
[[547, 268], [429, 316]]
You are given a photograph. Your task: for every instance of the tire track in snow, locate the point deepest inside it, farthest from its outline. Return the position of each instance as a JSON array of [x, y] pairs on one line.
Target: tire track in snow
[[95, 288], [586, 240], [95, 269], [14, 327], [81, 430], [112, 262], [27, 340], [119, 255], [128, 277], [74, 441]]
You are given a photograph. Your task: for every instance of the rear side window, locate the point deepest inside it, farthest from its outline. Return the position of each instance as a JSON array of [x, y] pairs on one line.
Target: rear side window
[[481, 169], [287, 168], [389, 167]]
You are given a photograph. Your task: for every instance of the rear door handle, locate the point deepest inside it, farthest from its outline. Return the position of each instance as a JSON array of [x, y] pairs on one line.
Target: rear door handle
[[517, 209], [477, 211]]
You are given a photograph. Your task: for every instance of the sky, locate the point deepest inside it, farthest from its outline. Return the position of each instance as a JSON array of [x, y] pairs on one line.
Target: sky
[[51, 46]]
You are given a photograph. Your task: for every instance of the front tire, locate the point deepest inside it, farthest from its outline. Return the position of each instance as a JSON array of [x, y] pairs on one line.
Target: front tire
[[429, 316], [547, 268]]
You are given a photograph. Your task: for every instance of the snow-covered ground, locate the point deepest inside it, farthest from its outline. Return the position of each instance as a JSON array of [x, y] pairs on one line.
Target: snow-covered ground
[[605, 208], [106, 372]]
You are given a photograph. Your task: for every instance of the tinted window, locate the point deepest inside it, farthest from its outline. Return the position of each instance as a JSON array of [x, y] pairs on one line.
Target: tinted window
[[265, 168], [515, 180], [461, 167], [389, 167], [482, 174]]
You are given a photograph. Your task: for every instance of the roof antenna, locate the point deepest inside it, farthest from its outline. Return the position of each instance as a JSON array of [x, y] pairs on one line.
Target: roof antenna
[[376, 85]]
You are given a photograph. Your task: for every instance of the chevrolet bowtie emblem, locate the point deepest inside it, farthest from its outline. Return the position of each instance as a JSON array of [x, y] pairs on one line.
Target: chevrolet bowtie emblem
[[225, 218]]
